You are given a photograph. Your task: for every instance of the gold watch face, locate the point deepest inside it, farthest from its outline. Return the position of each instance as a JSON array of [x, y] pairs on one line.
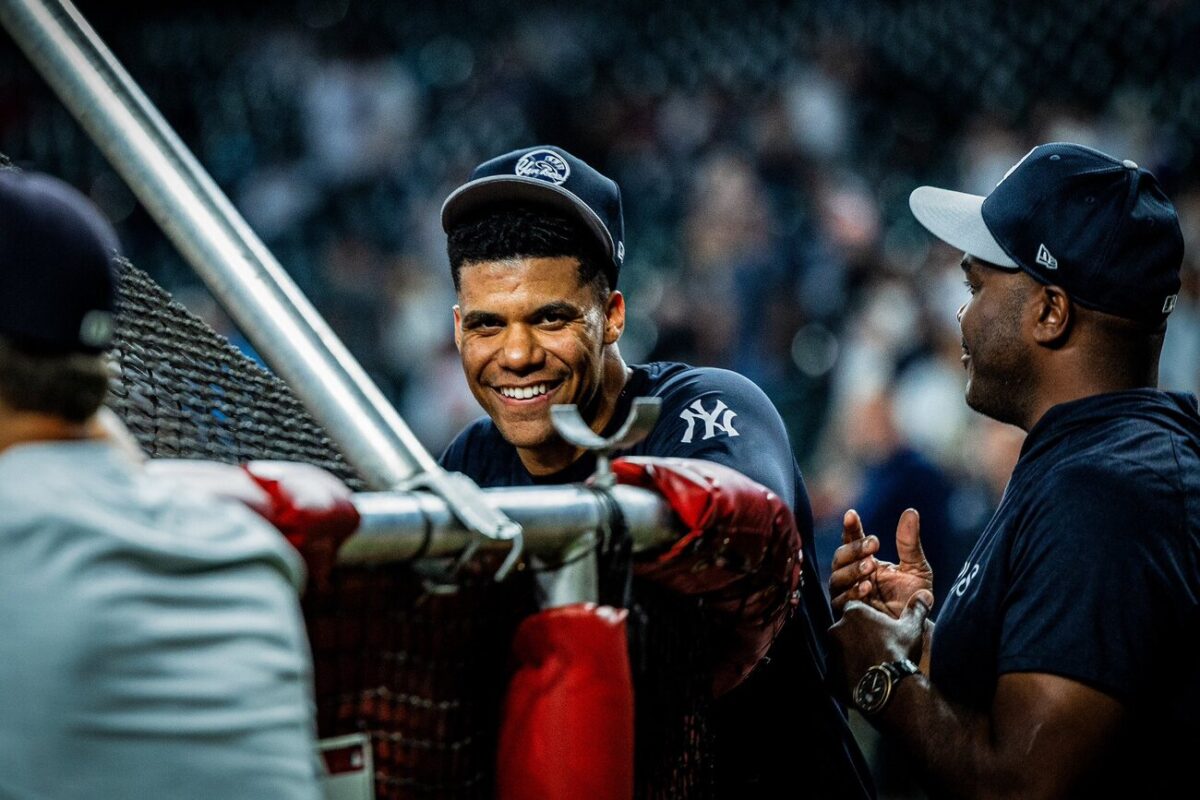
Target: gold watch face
[[873, 690]]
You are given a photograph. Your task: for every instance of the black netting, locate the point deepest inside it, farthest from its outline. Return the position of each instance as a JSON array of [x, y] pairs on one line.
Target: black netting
[[421, 670], [185, 392], [675, 746]]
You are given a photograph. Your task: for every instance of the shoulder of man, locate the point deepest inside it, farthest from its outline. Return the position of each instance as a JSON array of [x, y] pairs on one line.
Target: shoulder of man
[[1154, 439], [1112, 505], [701, 404], [89, 498], [49, 481], [1095, 473], [466, 442], [718, 415]]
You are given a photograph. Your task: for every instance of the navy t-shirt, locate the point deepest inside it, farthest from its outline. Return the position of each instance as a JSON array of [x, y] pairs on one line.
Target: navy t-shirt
[[1090, 569], [784, 714]]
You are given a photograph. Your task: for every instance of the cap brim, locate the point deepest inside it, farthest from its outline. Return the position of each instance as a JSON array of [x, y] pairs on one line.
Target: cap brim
[[957, 219], [501, 188]]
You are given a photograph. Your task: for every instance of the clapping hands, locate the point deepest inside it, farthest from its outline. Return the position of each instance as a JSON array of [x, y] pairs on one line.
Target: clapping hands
[[858, 575]]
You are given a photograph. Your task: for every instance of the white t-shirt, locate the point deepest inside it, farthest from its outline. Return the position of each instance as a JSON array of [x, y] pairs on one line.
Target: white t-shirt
[[151, 641]]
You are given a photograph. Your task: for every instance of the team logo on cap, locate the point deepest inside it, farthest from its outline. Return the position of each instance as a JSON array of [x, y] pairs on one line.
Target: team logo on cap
[[545, 165]]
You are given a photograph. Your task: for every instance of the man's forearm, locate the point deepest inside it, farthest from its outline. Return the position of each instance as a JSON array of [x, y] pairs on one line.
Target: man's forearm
[[1041, 736], [954, 747]]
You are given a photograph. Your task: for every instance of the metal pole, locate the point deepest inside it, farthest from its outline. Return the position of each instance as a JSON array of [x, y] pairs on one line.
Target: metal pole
[[213, 237], [395, 525]]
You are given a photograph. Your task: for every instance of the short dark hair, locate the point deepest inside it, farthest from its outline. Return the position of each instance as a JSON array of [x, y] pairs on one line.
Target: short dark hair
[[71, 386], [521, 230]]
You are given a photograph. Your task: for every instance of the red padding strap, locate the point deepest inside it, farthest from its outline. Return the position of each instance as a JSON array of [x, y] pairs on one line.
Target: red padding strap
[[740, 552], [567, 731]]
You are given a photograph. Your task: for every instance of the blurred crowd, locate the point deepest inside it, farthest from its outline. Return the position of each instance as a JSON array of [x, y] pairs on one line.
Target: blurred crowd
[[765, 150]]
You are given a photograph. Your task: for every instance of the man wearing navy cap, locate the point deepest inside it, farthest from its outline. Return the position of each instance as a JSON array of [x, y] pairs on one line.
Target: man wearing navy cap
[[536, 246], [151, 643], [1063, 660]]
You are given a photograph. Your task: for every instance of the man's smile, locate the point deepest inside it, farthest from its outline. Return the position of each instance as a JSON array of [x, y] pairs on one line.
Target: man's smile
[[526, 393]]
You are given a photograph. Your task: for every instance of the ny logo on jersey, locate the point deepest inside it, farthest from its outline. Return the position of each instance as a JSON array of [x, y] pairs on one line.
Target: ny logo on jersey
[[719, 421]]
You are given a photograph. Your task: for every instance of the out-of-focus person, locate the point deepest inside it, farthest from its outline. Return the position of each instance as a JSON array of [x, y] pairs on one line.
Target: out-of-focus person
[[151, 641]]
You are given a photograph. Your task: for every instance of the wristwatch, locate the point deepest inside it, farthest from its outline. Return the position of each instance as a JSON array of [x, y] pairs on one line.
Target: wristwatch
[[875, 688]]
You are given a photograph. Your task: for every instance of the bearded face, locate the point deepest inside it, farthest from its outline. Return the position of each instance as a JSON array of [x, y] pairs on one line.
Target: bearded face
[[995, 353]]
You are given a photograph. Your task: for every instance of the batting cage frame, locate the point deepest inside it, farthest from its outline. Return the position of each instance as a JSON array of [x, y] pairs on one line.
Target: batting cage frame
[[410, 643]]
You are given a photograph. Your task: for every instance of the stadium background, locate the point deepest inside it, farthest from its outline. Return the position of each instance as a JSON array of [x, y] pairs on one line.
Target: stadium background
[[765, 150]]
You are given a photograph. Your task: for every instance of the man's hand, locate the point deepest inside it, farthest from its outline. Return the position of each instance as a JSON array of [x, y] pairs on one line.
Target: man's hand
[[864, 637], [888, 588]]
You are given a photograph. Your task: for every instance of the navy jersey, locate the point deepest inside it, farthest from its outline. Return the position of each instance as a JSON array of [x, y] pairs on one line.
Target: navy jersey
[[720, 416], [1090, 569]]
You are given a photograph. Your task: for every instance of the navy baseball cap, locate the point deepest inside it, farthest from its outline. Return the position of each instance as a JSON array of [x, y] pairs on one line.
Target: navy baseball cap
[[1068, 215], [549, 175], [56, 267]]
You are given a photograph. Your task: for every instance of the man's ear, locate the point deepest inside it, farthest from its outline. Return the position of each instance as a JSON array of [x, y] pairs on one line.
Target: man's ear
[[614, 317], [1055, 315], [457, 328]]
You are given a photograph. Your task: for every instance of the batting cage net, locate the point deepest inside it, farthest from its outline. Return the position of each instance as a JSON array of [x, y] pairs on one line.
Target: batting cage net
[[416, 664], [185, 392]]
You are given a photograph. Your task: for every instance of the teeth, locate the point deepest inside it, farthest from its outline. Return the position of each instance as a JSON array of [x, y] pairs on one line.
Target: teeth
[[523, 392]]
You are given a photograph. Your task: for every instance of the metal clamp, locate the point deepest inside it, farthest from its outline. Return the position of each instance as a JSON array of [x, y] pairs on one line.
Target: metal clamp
[[469, 504], [578, 578], [637, 426]]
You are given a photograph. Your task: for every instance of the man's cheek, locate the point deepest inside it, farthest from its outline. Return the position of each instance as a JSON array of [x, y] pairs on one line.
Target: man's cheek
[[473, 359]]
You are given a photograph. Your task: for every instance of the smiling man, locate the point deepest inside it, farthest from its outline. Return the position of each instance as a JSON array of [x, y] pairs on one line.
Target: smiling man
[[536, 244], [1062, 663], [532, 333]]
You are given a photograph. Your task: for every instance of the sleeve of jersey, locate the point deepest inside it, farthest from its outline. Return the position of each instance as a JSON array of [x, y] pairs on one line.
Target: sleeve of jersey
[[717, 415], [721, 416], [1091, 580]]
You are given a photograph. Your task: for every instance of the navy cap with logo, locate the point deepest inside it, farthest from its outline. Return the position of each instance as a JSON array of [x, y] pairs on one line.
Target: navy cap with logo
[[1070, 216], [56, 266], [549, 175]]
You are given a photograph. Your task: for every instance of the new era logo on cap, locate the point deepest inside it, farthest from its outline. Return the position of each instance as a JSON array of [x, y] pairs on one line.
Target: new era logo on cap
[[1045, 259]]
